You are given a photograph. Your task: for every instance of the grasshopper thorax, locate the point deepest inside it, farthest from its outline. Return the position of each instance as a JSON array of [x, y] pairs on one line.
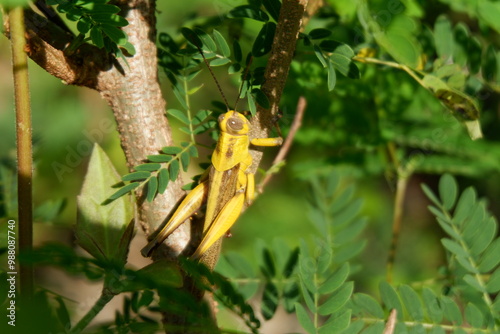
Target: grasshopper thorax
[[234, 123]]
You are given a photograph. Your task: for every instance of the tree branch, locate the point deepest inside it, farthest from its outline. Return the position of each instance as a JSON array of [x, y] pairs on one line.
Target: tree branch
[[278, 65], [132, 90]]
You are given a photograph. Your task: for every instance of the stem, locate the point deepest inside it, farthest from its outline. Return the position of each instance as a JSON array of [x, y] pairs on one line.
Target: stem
[[104, 299], [391, 64], [297, 122], [397, 220], [24, 145]]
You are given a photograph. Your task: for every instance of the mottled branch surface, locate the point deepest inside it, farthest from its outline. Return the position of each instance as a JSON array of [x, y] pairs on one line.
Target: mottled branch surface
[[132, 90], [278, 65]]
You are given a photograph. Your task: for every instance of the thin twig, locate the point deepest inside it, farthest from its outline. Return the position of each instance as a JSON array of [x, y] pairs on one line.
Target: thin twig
[[24, 146], [391, 322], [399, 199], [297, 122]]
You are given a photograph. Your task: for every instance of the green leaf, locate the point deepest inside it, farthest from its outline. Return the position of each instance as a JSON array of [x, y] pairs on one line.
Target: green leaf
[[320, 56], [319, 33], [95, 7], [83, 25], [443, 36], [96, 37], [448, 189], [193, 151], [136, 176], [335, 280], [270, 300], [171, 150], [376, 328], [430, 195], [201, 116], [248, 11], [163, 179], [332, 76], [206, 39], [174, 169], [251, 104], [349, 212], [104, 231], [221, 42], [451, 310], [152, 188], [437, 330], [432, 305], [304, 319], [109, 19], [336, 323], [62, 311], [337, 299], [261, 98], [474, 51], [368, 304], [493, 284], [219, 62], [150, 167], [115, 34], [489, 64], [163, 273], [355, 327], [192, 37], [238, 56], [399, 40], [181, 116], [474, 316], [124, 190], [454, 247], [185, 158], [129, 47], [161, 158], [412, 303], [291, 294], [291, 263], [490, 258], [273, 7], [264, 40], [465, 205], [484, 236], [461, 37], [390, 298], [489, 11]]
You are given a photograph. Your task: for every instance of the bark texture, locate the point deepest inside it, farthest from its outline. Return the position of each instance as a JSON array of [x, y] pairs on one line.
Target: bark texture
[[132, 90]]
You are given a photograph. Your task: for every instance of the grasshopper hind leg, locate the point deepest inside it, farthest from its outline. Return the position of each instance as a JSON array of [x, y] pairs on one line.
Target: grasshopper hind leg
[[225, 219], [191, 203]]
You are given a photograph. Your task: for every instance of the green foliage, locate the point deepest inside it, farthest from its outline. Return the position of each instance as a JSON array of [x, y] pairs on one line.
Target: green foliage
[[274, 277], [473, 245], [97, 22], [182, 65], [333, 55], [323, 273], [103, 231], [156, 175]]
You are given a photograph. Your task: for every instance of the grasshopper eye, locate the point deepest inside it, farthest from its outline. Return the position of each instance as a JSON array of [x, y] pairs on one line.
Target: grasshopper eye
[[235, 124]]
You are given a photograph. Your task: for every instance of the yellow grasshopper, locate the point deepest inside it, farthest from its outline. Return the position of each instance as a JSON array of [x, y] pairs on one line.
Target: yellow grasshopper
[[229, 181]]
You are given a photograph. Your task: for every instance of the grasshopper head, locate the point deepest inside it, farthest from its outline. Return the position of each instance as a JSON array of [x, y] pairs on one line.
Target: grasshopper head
[[234, 123]]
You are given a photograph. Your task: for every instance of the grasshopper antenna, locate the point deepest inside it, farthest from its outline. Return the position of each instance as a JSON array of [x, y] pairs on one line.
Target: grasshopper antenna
[[213, 76], [243, 80]]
